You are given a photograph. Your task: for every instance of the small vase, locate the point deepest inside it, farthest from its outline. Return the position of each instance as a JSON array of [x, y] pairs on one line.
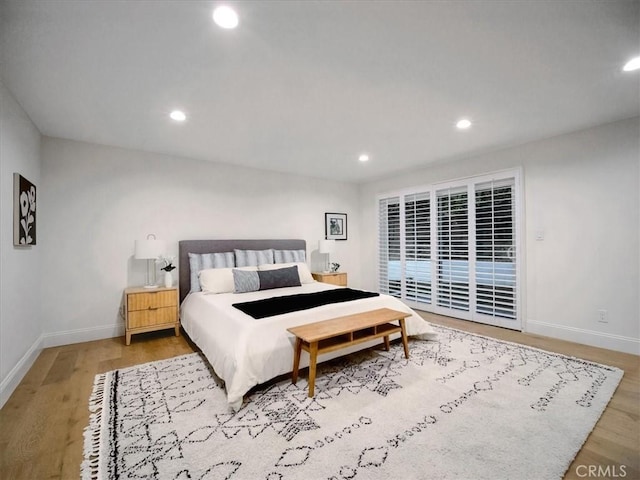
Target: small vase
[[168, 279]]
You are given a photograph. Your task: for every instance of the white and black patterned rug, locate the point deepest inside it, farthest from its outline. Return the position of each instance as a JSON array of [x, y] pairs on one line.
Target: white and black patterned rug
[[461, 407]]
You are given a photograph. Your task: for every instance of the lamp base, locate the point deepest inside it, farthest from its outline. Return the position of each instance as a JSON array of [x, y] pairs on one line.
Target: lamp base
[[151, 274]]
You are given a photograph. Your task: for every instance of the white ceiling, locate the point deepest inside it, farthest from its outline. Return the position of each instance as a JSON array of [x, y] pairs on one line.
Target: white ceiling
[[305, 86]]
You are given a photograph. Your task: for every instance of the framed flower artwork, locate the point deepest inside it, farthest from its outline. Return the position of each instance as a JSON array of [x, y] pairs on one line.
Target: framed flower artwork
[[24, 211]]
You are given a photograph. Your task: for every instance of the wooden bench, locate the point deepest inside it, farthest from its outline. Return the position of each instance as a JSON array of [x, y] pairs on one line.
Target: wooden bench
[[341, 332]]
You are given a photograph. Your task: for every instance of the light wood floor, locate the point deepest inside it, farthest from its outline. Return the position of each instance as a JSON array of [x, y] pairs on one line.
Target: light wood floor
[[42, 423]]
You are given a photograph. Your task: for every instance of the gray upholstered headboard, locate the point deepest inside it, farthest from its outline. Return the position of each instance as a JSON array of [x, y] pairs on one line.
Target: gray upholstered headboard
[[214, 246]]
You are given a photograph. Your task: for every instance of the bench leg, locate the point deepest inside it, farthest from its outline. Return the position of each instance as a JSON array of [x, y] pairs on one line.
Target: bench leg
[[313, 356], [296, 360], [387, 345], [405, 342]]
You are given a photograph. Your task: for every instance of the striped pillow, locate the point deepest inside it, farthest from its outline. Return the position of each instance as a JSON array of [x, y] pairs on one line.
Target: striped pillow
[[204, 261], [289, 256], [253, 258]]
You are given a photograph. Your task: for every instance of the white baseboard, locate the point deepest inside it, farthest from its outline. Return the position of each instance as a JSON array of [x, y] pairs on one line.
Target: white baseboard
[[587, 337], [82, 335], [17, 373], [46, 340]]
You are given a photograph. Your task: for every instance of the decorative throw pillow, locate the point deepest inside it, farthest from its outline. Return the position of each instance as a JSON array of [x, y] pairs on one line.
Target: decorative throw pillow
[[303, 270], [247, 258], [289, 256], [245, 281], [282, 277], [204, 261]]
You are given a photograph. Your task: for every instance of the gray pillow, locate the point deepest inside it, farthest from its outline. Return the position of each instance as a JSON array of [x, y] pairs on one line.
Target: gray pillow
[[204, 261], [282, 277], [245, 281], [251, 280]]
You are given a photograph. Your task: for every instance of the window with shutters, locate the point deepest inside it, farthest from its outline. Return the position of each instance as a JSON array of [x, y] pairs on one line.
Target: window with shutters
[[453, 248], [389, 246], [417, 247], [495, 249]]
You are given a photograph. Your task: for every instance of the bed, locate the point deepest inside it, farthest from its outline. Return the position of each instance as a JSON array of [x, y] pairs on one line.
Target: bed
[[244, 351]]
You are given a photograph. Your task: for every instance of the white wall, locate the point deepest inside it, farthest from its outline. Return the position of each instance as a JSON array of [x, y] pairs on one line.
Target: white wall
[[20, 325], [582, 191], [98, 200]]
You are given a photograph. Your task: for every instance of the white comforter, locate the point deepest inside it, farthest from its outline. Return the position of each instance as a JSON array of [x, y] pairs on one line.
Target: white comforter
[[245, 352]]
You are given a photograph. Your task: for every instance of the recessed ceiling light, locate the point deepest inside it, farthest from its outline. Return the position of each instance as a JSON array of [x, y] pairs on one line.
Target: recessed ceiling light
[[363, 157], [225, 17], [631, 65], [463, 124], [178, 116]]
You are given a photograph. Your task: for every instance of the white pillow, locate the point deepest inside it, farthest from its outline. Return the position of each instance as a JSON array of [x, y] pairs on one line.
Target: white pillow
[[216, 280], [303, 270]]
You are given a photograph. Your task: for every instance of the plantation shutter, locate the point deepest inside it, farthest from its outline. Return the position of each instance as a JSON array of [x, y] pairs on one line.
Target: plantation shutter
[[453, 249], [389, 267], [417, 245], [495, 249]]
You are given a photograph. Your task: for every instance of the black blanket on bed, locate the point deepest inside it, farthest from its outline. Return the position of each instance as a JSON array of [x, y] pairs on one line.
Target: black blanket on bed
[[269, 307]]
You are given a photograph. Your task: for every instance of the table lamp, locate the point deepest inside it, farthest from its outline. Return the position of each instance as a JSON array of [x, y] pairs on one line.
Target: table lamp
[[149, 249], [326, 247]]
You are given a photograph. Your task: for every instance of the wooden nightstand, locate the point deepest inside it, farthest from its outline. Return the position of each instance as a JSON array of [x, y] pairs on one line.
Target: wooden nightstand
[[147, 310], [337, 278]]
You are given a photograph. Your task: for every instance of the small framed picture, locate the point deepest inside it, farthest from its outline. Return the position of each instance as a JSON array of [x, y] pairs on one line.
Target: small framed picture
[[335, 226], [24, 211]]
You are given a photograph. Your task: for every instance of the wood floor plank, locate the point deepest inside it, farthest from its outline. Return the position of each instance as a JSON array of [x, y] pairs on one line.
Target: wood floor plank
[[62, 367], [42, 424]]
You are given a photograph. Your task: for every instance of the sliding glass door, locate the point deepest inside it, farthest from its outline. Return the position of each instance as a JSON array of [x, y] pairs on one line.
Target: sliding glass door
[[452, 245], [495, 240], [452, 248], [417, 247], [389, 247]]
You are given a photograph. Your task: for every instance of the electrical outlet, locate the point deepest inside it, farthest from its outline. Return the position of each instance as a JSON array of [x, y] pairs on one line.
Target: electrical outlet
[[602, 316]]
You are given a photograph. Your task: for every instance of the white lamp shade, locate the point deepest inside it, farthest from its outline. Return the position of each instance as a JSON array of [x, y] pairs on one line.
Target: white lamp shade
[[326, 246], [148, 248]]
